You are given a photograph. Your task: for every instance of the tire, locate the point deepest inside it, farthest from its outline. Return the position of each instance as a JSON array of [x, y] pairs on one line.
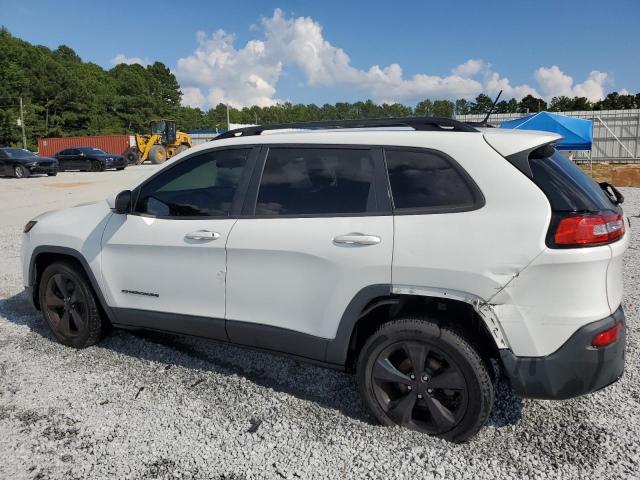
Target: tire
[[97, 166], [450, 396], [52, 174], [182, 148], [133, 156], [20, 172], [69, 305], [120, 168], [158, 154]]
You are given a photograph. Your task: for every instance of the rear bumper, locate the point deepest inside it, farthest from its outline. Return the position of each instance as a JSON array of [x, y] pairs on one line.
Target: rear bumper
[[576, 368], [116, 163]]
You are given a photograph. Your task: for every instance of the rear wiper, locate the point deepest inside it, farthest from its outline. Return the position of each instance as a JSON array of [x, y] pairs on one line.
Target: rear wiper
[[612, 192]]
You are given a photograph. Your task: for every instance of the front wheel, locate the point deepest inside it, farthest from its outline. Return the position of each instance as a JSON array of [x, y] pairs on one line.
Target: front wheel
[[69, 305], [417, 374], [20, 172]]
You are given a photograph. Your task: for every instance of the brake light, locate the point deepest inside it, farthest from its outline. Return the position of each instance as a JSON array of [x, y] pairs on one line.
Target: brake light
[[606, 337], [589, 229]]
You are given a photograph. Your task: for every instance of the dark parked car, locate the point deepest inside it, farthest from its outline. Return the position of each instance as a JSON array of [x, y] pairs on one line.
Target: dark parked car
[[89, 159], [20, 163]]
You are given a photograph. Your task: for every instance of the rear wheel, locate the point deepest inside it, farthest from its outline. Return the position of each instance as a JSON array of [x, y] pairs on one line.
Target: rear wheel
[[97, 166], [414, 373], [52, 174], [158, 154], [69, 305], [182, 148], [20, 172]]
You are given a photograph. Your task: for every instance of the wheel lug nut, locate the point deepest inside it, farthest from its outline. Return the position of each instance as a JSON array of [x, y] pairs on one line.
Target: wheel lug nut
[[412, 376], [419, 395], [429, 391], [409, 387], [425, 378]]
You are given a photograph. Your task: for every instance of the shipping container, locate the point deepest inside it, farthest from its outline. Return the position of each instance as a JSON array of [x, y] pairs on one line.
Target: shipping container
[[117, 144]]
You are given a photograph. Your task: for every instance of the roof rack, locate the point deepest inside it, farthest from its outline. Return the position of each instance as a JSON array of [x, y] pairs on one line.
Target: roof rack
[[417, 123]]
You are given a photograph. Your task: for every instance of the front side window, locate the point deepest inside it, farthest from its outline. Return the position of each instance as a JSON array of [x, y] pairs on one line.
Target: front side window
[[426, 180], [201, 186], [316, 181]]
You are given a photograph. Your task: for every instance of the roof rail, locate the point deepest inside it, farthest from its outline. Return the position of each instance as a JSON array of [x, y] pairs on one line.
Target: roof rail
[[417, 123]]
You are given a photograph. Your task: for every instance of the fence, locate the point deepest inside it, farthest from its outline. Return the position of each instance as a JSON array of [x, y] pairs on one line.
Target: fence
[[616, 133]]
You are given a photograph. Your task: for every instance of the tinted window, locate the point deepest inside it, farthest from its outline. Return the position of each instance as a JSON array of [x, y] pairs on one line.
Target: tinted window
[[426, 180], [310, 181], [200, 186], [19, 153], [91, 151], [566, 186]]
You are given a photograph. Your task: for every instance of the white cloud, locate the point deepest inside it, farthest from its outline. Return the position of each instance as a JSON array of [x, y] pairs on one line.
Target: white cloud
[[554, 82], [471, 68], [122, 58], [218, 72]]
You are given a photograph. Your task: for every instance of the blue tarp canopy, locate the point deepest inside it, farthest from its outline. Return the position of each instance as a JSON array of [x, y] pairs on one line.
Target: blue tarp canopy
[[577, 132]]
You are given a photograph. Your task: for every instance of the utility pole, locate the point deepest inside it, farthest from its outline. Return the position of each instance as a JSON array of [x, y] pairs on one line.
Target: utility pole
[[24, 135]]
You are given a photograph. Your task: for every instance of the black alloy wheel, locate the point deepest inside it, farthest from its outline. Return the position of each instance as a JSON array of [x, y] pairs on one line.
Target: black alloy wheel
[[420, 387], [422, 375], [69, 305]]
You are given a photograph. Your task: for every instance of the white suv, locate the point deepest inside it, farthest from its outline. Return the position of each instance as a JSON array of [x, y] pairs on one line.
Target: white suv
[[416, 252]]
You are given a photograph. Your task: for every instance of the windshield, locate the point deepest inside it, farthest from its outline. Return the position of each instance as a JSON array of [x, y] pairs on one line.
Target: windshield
[[567, 187], [19, 153], [91, 150], [157, 127]]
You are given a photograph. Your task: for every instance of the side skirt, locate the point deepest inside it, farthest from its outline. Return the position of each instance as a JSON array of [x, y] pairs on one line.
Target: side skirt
[[279, 341]]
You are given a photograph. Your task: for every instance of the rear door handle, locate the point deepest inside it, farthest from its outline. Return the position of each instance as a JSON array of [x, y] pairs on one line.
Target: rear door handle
[[356, 239], [202, 235]]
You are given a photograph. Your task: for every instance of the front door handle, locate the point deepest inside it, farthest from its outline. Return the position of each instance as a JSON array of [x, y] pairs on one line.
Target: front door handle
[[202, 235], [356, 239]]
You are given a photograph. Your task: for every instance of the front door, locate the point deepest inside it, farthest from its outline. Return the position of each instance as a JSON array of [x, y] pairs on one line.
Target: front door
[[320, 230], [168, 256]]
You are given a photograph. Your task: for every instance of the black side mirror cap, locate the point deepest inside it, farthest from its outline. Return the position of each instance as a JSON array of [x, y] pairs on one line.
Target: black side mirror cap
[[122, 205]]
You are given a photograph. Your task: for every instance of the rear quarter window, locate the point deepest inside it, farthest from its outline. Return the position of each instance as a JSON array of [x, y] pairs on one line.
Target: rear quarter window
[[429, 180]]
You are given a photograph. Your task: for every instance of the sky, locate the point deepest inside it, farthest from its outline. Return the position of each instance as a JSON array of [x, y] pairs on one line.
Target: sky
[[264, 52]]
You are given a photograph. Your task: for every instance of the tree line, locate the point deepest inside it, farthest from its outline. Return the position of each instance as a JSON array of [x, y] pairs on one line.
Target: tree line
[[64, 96]]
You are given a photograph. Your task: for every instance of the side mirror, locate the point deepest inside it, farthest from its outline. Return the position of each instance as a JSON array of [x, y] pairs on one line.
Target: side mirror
[[122, 203]]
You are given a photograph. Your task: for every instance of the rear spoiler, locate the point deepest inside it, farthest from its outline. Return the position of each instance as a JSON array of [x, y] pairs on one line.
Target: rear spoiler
[[518, 145]]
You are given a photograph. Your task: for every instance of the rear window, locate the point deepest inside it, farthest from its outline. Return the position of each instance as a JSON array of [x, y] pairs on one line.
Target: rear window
[[567, 187]]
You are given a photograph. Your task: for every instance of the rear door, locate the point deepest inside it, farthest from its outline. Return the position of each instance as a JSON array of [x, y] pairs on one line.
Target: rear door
[[168, 256], [63, 159], [4, 164], [317, 229]]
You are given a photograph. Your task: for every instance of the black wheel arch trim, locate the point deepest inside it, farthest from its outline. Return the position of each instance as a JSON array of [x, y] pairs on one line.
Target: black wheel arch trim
[[69, 252], [338, 348]]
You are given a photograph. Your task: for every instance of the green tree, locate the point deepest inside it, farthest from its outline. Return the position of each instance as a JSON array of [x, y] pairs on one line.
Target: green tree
[[531, 104]]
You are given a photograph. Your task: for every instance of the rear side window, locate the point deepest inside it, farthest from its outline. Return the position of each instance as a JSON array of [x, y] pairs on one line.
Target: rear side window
[[201, 186], [316, 181], [567, 187], [427, 180]]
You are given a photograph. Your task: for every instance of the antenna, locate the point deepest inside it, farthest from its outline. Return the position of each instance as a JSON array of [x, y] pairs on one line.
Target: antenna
[[486, 119]]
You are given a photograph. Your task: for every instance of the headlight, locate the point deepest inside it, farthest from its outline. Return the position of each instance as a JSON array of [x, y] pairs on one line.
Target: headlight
[[30, 224]]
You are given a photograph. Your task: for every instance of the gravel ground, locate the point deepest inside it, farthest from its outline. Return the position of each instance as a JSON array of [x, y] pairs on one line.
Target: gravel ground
[[160, 406]]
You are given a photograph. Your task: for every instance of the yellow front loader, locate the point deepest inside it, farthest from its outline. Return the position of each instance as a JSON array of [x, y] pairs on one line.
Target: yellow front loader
[[163, 143]]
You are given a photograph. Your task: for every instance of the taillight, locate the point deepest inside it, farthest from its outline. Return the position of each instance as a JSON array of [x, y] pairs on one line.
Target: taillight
[[606, 337], [589, 230]]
